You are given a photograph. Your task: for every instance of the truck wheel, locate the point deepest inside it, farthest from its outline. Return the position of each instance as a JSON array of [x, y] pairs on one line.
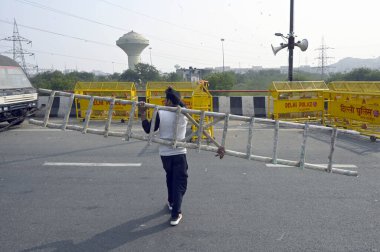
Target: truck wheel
[[17, 123]]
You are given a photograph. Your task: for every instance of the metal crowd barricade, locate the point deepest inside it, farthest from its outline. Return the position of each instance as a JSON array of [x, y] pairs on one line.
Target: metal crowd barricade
[[194, 95], [128, 134], [117, 90], [355, 105], [299, 101]]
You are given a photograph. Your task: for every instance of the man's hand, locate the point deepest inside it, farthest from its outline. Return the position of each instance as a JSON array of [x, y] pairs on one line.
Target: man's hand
[[141, 105], [142, 109], [221, 151]]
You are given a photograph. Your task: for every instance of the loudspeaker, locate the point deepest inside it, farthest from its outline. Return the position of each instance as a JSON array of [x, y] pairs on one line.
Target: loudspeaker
[[278, 48], [302, 44]]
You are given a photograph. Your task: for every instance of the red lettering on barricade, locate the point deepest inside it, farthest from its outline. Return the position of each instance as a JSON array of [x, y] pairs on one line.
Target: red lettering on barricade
[[364, 111], [348, 109], [307, 104], [290, 104], [98, 102]]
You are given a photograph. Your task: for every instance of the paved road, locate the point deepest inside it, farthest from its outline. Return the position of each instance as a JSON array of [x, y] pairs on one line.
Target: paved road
[[231, 204]]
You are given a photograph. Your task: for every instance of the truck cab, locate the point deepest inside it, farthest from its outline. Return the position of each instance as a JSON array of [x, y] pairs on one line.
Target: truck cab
[[17, 95]]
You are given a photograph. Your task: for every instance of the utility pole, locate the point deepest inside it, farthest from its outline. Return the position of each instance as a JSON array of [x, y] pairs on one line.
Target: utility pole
[[150, 54], [222, 39], [18, 52], [290, 42]]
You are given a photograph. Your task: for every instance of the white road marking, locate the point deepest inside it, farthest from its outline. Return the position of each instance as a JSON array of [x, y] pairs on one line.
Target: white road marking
[[36, 130], [93, 164], [282, 236], [264, 129], [325, 165]]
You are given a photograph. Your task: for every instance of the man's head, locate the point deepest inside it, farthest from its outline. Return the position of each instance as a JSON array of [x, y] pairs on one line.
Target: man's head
[[173, 97]]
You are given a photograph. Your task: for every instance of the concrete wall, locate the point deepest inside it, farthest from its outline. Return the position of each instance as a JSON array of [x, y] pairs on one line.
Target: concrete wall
[[238, 105], [241, 105]]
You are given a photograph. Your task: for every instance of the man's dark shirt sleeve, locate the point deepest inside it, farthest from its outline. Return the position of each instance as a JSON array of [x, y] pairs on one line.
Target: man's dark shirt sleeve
[[146, 124]]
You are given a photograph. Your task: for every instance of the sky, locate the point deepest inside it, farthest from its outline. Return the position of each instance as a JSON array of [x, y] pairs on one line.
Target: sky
[[82, 34]]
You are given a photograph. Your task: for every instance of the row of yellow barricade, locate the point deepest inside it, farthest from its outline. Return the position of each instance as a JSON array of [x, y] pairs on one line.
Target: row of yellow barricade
[[350, 105], [194, 95]]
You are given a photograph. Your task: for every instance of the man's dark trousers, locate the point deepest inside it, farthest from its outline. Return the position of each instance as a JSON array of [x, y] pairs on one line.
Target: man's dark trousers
[[176, 180]]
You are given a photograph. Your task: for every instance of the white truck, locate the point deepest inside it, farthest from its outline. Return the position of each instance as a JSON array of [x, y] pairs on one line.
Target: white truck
[[17, 95]]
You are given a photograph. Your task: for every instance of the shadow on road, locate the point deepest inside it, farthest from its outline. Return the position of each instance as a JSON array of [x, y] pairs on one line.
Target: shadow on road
[[111, 238], [354, 143], [68, 152]]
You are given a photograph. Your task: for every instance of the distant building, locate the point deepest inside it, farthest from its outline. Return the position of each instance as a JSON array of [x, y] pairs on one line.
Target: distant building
[[246, 70], [100, 73], [284, 69], [220, 69], [193, 74], [69, 70], [240, 70], [308, 69], [257, 68]]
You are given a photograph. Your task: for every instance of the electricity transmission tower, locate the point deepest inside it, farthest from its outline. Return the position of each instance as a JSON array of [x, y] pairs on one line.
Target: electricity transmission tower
[[17, 51], [323, 58]]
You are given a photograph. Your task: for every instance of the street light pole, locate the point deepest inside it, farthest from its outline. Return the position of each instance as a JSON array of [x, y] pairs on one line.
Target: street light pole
[[150, 54], [222, 39]]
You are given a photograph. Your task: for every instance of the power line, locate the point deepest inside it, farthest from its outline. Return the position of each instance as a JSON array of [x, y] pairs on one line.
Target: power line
[[70, 36], [44, 7], [70, 56], [181, 44], [34, 4], [170, 23], [60, 34], [106, 61], [76, 38]]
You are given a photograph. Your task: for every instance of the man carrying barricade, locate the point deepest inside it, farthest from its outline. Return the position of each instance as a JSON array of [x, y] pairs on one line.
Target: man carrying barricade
[[173, 158]]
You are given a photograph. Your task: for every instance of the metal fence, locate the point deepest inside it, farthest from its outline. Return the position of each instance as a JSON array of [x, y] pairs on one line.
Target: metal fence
[[202, 130]]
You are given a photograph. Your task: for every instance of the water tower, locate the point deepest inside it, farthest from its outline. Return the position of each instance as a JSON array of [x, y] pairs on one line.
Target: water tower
[[132, 44]]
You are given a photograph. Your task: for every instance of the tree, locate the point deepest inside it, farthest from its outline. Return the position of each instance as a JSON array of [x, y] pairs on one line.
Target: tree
[[304, 76], [359, 74], [142, 73], [114, 77], [173, 77], [56, 80], [223, 81], [130, 75], [147, 72], [51, 80]]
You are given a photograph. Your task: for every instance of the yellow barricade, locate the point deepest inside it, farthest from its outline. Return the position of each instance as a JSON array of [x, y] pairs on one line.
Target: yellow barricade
[[355, 105], [194, 96], [298, 101], [100, 109]]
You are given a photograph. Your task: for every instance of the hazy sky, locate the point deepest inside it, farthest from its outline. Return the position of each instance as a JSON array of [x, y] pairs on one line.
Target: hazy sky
[[188, 32]]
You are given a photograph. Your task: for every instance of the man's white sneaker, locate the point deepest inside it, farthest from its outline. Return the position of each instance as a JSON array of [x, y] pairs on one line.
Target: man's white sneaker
[[175, 220]]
